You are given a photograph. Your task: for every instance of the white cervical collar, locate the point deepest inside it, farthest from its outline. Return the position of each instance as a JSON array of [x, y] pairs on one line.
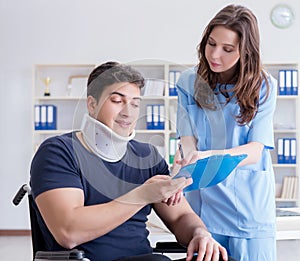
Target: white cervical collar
[[102, 141]]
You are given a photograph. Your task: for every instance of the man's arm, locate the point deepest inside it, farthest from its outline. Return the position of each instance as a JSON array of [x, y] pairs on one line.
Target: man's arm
[[190, 231], [71, 223]]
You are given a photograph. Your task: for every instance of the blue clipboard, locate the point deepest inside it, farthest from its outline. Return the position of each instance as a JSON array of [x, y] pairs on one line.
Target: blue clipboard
[[209, 171]]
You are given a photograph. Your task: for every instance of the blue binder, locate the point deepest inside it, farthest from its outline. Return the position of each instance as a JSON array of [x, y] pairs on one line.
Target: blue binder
[[155, 114], [51, 117], [294, 82], [209, 171], [280, 150], [286, 151], [281, 82], [173, 78], [149, 117], [288, 82], [45, 117], [293, 150], [161, 119], [43, 110], [37, 117]]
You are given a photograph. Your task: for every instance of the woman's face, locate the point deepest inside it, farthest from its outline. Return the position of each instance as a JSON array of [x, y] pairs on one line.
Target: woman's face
[[222, 52]]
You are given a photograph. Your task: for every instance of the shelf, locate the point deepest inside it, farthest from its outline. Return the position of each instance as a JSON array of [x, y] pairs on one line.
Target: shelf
[[55, 66], [58, 98], [67, 87], [285, 165], [50, 132], [146, 98], [150, 131], [287, 97], [286, 126], [286, 200], [173, 98], [285, 131]]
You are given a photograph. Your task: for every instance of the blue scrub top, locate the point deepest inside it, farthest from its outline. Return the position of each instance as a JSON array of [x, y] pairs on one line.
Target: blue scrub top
[[244, 204]]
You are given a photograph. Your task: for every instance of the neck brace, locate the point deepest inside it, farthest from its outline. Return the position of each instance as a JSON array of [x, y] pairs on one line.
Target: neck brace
[[102, 141]]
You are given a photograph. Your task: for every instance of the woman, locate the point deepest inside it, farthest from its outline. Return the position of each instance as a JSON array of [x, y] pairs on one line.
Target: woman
[[226, 106]]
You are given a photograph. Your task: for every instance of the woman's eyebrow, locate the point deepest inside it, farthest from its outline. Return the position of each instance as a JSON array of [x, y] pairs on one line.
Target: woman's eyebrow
[[226, 44]]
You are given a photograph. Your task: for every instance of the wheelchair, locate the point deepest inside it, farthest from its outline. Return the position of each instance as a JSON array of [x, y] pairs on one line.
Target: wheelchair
[[38, 243]]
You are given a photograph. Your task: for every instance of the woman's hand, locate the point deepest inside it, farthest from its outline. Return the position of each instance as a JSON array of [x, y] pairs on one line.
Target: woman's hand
[[175, 199], [193, 156]]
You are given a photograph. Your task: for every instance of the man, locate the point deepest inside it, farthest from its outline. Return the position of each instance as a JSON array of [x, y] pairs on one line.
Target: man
[[94, 188]]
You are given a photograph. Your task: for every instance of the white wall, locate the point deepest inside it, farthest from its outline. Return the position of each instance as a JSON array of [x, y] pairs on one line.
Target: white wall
[[93, 31]]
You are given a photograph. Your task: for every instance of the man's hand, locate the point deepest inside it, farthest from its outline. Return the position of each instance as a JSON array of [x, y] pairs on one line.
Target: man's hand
[[162, 188], [206, 247]]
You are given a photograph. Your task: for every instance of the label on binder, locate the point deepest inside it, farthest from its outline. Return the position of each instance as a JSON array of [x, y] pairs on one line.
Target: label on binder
[[293, 151], [149, 117], [172, 149], [155, 109], [43, 116], [51, 117], [161, 117], [295, 82], [288, 82], [37, 117], [280, 158], [286, 150]]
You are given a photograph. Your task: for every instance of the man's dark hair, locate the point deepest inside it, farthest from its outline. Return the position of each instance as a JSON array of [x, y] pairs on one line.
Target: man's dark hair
[[110, 73]]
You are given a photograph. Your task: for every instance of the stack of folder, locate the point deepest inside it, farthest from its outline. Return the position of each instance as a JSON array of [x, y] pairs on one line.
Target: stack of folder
[[288, 82], [45, 117], [289, 187], [155, 116], [286, 150]]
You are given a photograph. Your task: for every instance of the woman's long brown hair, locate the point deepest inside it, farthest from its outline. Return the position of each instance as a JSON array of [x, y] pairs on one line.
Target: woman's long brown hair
[[249, 72]]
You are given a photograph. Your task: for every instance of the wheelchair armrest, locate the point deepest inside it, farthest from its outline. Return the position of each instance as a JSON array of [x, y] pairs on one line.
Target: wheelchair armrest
[[175, 247], [73, 254], [169, 247]]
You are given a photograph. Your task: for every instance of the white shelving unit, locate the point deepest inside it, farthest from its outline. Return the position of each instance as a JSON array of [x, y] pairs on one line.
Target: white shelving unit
[[71, 105], [67, 93], [155, 70], [286, 125]]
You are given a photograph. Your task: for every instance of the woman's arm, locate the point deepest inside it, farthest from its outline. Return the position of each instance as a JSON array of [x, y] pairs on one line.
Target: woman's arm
[[252, 149]]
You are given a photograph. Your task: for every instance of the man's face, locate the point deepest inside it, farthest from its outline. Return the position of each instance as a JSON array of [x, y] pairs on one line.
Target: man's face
[[119, 106]]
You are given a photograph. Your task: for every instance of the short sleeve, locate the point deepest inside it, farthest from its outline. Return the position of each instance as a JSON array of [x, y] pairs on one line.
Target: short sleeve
[[261, 129], [53, 166], [185, 89]]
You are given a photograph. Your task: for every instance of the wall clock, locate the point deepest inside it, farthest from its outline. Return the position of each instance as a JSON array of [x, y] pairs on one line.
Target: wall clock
[[282, 16]]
